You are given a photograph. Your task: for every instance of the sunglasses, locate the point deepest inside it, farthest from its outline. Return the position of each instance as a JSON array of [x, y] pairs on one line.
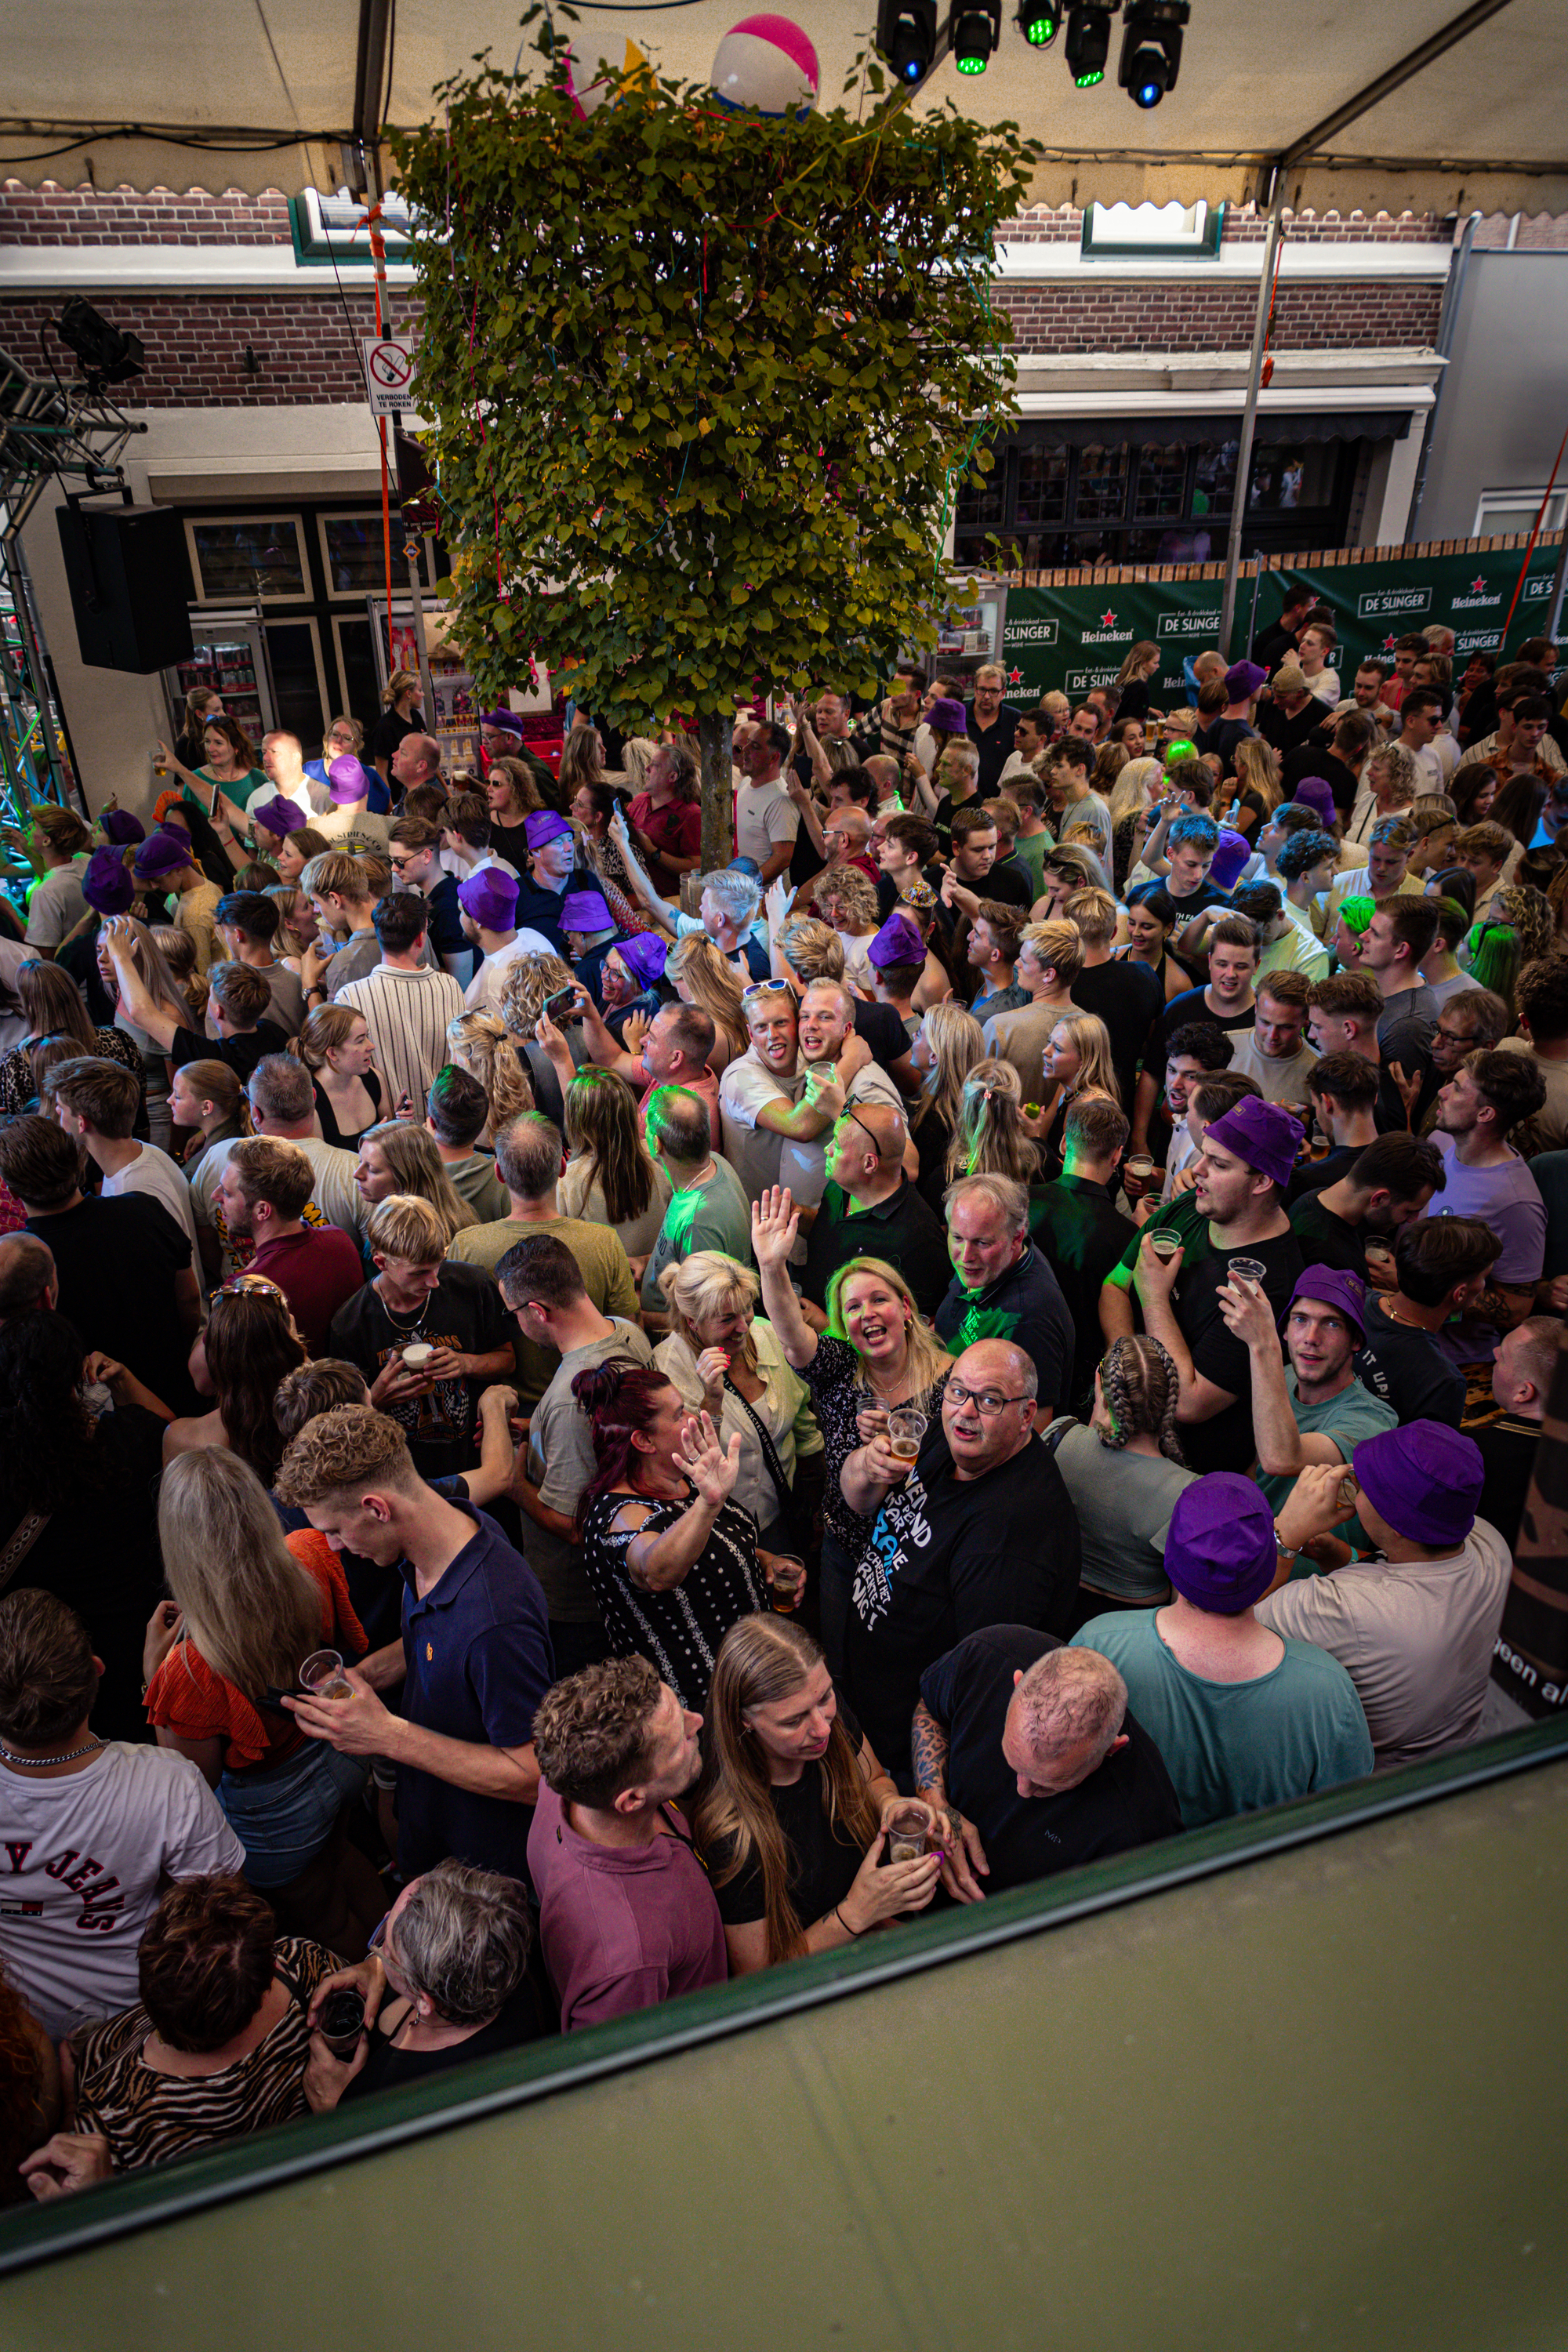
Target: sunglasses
[[240, 1285]]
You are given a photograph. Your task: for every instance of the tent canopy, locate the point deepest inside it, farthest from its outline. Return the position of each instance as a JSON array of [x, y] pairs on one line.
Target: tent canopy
[[259, 94]]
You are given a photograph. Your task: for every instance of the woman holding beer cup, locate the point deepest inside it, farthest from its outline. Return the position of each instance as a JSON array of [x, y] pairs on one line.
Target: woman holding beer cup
[[875, 1358], [795, 1818]]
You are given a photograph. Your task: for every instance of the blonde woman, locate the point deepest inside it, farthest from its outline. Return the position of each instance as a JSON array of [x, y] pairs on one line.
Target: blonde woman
[[344, 739], [208, 1105], [298, 925], [526, 984], [1134, 678], [163, 989], [400, 716], [991, 1137], [876, 1353], [950, 1041], [245, 1613], [847, 902], [1070, 865], [1258, 785], [792, 1803], [1389, 784], [725, 1362], [701, 976], [201, 704], [481, 1045], [399, 1158], [609, 1178], [1077, 1063], [337, 1048], [178, 950], [295, 851]]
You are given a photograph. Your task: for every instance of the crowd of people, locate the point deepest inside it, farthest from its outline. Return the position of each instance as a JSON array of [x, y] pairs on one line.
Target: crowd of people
[[573, 1427]]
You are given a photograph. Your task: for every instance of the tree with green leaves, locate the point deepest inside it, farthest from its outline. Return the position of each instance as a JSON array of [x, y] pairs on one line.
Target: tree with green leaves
[[704, 384]]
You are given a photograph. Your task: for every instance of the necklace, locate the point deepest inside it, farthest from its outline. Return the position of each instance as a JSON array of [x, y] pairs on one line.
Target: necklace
[[393, 1313], [29, 1762]]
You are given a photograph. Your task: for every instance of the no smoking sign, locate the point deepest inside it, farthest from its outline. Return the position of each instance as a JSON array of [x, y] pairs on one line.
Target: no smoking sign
[[388, 374]]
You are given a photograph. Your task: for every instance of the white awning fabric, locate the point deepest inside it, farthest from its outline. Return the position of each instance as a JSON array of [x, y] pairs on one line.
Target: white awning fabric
[[258, 94]]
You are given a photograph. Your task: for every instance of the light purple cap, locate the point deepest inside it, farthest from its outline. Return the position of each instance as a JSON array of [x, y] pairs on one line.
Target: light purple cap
[[543, 827], [347, 780], [584, 911], [490, 898], [1220, 1548]]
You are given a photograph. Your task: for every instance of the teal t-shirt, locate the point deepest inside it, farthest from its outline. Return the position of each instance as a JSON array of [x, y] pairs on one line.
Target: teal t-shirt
[[712, 1216], [1233, 1748], [1347, 1418]]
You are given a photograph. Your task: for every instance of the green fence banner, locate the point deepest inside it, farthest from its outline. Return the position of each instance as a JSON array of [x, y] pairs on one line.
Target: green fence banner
[[1070, 631]]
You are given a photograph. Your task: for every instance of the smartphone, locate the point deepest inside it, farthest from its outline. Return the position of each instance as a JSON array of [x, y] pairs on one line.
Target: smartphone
[[560, 1006]]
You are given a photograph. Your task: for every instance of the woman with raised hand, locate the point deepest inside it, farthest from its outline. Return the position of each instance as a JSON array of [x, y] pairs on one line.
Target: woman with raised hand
[[723, 1360], [875, 1356], [792, 1805], [671, 1559]]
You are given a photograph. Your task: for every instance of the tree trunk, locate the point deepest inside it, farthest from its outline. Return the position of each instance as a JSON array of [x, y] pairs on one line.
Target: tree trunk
[[715, 734]]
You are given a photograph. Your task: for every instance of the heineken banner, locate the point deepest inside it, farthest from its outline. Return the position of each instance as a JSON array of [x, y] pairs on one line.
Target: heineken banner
[[1070, 631]]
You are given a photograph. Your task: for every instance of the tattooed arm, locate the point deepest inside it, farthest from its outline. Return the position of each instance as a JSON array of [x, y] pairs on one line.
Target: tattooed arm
[[966, 1854]]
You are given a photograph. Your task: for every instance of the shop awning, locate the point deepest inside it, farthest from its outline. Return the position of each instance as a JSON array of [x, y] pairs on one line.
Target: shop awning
[[1421, 107]]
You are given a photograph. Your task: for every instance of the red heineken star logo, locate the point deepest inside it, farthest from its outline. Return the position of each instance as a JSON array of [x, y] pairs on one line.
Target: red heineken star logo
[[1388, 643], [1107, 620], [1014, 677], [1476, 586]]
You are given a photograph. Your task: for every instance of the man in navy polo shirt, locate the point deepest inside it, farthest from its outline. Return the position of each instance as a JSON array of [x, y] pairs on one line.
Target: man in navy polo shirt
[[474, 1658]]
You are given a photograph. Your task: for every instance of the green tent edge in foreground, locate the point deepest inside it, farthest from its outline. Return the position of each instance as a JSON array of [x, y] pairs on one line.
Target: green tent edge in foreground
[[492, 2086]]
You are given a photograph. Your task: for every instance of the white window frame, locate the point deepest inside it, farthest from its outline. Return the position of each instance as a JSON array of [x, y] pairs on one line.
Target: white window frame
[[302, 595], [1494, 502]]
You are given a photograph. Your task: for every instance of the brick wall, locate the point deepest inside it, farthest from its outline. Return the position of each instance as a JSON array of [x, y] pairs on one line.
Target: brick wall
[[195, 344], [53, 215], [1125, 315], [1063, 224]]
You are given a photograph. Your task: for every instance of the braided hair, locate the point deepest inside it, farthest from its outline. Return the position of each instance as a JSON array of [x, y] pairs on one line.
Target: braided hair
[[1142, 1386]]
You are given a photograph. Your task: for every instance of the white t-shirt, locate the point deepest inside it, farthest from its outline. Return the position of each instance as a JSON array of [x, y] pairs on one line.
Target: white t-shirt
[[57, 905], [297, 796], [761, 1158], [154, 1172], [1436, 761], [765, 816], [483, 992], [81, 1859]]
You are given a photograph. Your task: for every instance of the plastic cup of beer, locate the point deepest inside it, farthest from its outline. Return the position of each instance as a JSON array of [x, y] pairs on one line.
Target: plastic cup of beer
[[417, 1355], [1164, 1241], [322, 1676], [786, 1582], [905, 1428], [910, 1831], [1348, 1489], [1245, 1269], [1140, 1169]]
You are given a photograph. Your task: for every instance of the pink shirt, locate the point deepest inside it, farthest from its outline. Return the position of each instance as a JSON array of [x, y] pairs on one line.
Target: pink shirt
[[622, 1927], [706, 1087]]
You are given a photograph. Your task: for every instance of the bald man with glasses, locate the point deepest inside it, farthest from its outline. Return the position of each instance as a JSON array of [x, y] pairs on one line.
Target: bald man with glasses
[[978, 1530]]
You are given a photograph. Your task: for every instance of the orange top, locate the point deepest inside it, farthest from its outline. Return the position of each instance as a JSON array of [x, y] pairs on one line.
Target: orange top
[[190, 1698]]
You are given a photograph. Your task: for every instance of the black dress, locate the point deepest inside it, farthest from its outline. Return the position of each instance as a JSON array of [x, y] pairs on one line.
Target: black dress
[[677, 1632], [387, 2069], [331, 1132]]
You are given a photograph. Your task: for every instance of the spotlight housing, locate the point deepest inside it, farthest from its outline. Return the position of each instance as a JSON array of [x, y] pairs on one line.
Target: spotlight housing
[[1152, 49], [906, 35], [1040, 21], [976, 32], [108, 354], [1089, 40]]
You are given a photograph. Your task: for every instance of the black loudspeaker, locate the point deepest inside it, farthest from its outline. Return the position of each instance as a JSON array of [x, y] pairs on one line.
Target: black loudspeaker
[[129, 583]]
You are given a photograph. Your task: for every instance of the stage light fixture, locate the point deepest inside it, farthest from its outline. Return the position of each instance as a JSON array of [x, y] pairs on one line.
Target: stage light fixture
[[1152, 49], [976, 32], [108, 354], [1089, 40], [906, 35], [1040, 21]]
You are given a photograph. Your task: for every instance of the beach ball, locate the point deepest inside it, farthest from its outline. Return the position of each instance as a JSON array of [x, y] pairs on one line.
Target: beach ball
[[766, 63], [588, 74]]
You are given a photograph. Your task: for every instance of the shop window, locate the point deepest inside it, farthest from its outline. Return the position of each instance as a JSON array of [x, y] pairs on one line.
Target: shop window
[[1042, 492], [353, 555], [1214, 478], [1289, 474], [1159, 494], [1101, 484], [248, 559], [1502, 511]]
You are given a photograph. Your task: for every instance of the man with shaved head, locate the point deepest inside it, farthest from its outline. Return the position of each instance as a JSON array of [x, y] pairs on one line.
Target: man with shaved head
[[870, 1209], [1033, 1756], [27, 1276], [978, 1530]]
